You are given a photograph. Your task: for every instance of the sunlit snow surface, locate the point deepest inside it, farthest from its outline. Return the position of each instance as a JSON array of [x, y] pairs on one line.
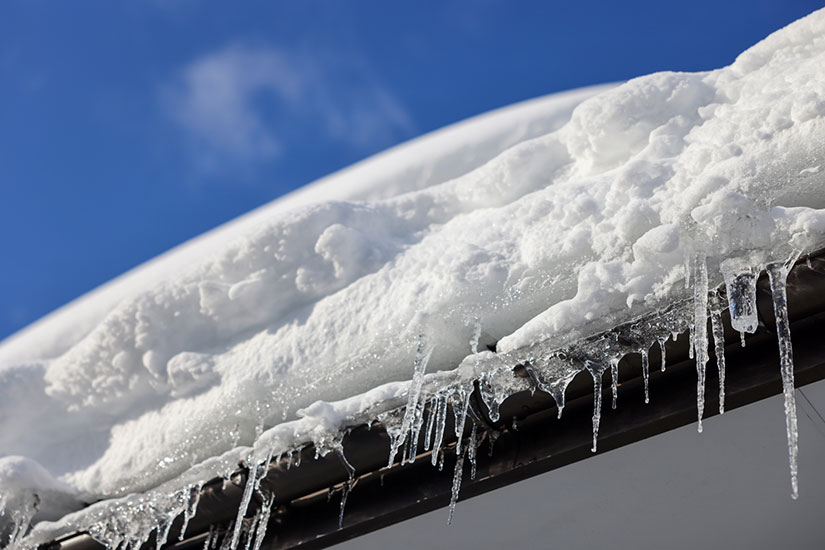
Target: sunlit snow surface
[[627, 214]]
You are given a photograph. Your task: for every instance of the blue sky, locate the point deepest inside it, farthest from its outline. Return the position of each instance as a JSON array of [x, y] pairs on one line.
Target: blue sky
[[129, 127]]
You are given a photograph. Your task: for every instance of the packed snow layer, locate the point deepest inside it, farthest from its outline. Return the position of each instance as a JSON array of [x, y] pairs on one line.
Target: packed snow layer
[[558, 236]]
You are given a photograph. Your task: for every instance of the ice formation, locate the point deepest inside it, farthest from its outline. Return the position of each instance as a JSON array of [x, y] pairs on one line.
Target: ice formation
[[554, 238]]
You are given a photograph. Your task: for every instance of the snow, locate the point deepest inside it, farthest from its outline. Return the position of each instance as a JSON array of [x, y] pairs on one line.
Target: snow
[[554, 232]]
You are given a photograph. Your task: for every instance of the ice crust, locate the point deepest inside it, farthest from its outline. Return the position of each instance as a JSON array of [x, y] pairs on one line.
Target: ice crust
[[561, 238]]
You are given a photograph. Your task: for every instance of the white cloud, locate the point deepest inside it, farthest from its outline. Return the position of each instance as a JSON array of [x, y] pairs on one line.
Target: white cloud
[[246, 103]]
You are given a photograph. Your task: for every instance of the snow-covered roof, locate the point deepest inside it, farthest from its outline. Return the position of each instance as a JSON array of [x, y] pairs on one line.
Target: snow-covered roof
[[526, 231]]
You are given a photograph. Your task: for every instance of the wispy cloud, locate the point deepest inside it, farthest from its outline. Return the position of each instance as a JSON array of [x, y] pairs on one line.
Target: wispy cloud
[[249, 103]]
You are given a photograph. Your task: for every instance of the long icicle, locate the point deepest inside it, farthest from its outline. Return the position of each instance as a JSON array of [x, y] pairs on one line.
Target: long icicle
[[461, 416], [191, 507], [662, 342], [415, 429], [348, 485], [718, 331], [207, 544], [251, 481], [457, 474], [266, 510], [646, 374], [472, 450], [596, 371], [699, 335], [440, 425], [777, 274], [614, 379], [428, 433], [422, 357]]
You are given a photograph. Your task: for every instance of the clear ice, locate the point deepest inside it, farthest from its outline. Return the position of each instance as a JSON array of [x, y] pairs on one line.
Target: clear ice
[[21, 509], [778, 274], [596, 371], [614, 380], [263, 521], [348, 485], [251, 481], [646, 374], [460, 404], [440, 425], [718, 331], [472, 449], [740, 286], [413, 409], [191, 507], [699, 335], [457, 475]]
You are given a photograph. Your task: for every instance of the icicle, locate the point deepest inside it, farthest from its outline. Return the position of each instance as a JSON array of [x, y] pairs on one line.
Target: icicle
[[646, 374], [808, 262], [251, 481], [700, 331], [207, 544], [663, 352], [614, 379], [405, 454], [162, 533], [457, 474], [460, 411], [422, 357], [250, 531], [559, 398], [227, 539], [691, 342], [742, 338], [741, 290], [778, 274], [472, 447], [22, 516], [440, 425], [596, 371], [687, 271], [415, 430], [428, 433], [265, 466], [347, 486], [191, 507], [718, 331], [263, 522], [214, 544]]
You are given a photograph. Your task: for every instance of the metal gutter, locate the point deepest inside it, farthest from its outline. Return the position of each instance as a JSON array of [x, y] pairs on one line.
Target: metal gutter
[[532, 441]]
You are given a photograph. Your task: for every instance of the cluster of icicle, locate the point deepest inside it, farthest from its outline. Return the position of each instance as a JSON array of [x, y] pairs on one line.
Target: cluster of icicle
[[551, 369], [128, 523]]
